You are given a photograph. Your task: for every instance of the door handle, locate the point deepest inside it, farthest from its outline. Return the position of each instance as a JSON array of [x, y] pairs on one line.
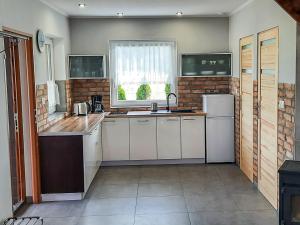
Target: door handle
[[189, 119]]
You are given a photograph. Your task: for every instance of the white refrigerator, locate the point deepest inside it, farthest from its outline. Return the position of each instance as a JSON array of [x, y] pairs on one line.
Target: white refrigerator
[[219, 109]]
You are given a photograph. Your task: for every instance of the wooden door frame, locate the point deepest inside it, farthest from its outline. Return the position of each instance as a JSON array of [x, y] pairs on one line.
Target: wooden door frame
[[259, 99], [240, 103], [13, 76], [34, 150]]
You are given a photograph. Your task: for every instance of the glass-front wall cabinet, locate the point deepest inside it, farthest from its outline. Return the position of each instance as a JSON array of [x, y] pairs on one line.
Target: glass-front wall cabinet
[[206, 64], [85, 66]]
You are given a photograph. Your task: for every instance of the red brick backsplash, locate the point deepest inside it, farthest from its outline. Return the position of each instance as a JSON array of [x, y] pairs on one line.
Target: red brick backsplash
[[190, 91], [286, 123], [255, 131], [235, 90], [43, 121]]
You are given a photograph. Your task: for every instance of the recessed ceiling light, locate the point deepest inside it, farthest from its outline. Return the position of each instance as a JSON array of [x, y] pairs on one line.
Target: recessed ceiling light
[[120, 14], [179, 13], [82, 5]]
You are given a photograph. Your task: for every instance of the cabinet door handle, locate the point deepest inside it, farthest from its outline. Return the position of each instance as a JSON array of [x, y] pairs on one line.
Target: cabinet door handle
[[109, 121], [172, 120], [189, 119], [143, 121]]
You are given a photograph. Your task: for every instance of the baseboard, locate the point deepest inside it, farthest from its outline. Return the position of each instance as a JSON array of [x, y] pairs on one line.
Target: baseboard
[[62, 197], [152, 162]]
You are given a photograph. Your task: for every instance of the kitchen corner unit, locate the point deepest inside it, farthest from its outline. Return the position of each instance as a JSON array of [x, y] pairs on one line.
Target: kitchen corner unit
[[70, 156]]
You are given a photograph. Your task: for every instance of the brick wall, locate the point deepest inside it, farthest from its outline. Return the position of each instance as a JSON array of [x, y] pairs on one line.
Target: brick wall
[[190, 91], [286, 123], [43, 121], [235, 90], [255, 131], [41, 106]]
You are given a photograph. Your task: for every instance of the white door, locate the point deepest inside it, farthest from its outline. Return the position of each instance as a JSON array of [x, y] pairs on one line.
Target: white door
[[220, 139], [143, 139], [115, 139], [193, 137], [168, 138]]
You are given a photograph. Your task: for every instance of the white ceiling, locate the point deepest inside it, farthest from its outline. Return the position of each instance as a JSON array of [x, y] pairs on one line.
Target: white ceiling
[[146, 8]]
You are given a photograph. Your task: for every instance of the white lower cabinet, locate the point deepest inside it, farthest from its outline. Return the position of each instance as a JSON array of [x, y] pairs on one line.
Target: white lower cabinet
[[115, 139], [193, 137], [92, 154], [143, 139], [168, 138]]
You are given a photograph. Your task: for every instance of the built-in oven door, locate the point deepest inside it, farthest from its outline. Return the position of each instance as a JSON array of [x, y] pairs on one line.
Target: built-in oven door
[[291, 206]]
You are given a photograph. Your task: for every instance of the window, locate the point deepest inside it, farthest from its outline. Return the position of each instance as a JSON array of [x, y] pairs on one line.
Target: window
[[53, 93], [142, 72]]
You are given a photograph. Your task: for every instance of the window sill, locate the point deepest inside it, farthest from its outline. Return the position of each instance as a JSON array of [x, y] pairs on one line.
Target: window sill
[[56, 116]]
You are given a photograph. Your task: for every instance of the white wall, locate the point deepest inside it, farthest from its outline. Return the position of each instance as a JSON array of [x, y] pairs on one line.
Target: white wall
[[5, 184], [259, 16], [27, 16], [193, 35], [31, 15]]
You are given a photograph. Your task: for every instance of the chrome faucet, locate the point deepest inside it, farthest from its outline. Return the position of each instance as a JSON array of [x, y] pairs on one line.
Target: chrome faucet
[[168, 100]]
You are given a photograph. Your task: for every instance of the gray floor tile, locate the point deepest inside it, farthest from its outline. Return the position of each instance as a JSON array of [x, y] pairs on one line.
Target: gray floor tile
[[107, 220], [114, 191], [163, 219], [214, 218], [109, 206], [203, 186], [149, 205], [161, 189], [120, 178], [251, 202], [210, 202], [262, 217], [61, 221], [56, 209]]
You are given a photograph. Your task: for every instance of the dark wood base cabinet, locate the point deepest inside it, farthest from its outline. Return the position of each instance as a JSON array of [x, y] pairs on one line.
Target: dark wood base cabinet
[[69, 163]]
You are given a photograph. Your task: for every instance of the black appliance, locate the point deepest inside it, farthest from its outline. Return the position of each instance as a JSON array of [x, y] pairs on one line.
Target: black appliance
[[97, 105], [289, 191]]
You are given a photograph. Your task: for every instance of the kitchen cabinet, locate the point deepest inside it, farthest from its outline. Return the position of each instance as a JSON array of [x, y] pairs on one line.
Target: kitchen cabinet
[[115, 139], [143, 139], [92, 155], [168, 138], [193, 137], [69, 164]]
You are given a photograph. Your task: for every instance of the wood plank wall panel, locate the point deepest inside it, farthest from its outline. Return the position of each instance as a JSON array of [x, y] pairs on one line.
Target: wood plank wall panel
[[246, 107], [268, 98]]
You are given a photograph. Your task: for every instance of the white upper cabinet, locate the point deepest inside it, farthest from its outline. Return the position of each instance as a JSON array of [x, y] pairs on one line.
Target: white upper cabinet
[[193, 137], [115, 139], [143, 139], [168, 138]]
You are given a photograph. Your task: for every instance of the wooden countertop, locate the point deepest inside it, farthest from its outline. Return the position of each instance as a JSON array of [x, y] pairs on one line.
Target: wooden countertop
[[74, 125], [83, 125], [149, 114]]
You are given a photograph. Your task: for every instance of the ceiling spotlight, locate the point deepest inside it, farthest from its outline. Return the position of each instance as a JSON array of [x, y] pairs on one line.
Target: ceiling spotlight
[[179, 13], [120, 14], [82, 5]]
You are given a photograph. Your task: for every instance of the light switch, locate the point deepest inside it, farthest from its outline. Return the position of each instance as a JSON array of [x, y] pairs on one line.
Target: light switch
[[281, 104]]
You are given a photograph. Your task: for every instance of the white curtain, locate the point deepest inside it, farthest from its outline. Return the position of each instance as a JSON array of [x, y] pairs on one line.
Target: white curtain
[[150, 62]]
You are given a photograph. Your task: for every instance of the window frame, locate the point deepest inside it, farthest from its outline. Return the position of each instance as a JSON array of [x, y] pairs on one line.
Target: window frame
[[115, 103]]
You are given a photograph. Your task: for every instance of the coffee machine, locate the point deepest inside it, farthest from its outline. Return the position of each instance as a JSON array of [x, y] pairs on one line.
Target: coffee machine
[[97, 105]]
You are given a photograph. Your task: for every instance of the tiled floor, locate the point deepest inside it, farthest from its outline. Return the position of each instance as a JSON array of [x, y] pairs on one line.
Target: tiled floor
[[164, 195]]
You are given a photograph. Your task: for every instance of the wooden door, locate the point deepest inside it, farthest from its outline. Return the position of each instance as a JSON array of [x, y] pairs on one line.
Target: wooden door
[[268, 99], [15, 121], [246, 106]]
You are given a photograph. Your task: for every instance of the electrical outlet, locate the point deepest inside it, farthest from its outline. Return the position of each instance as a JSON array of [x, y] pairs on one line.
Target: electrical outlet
[[281, 104], [43, 101]]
